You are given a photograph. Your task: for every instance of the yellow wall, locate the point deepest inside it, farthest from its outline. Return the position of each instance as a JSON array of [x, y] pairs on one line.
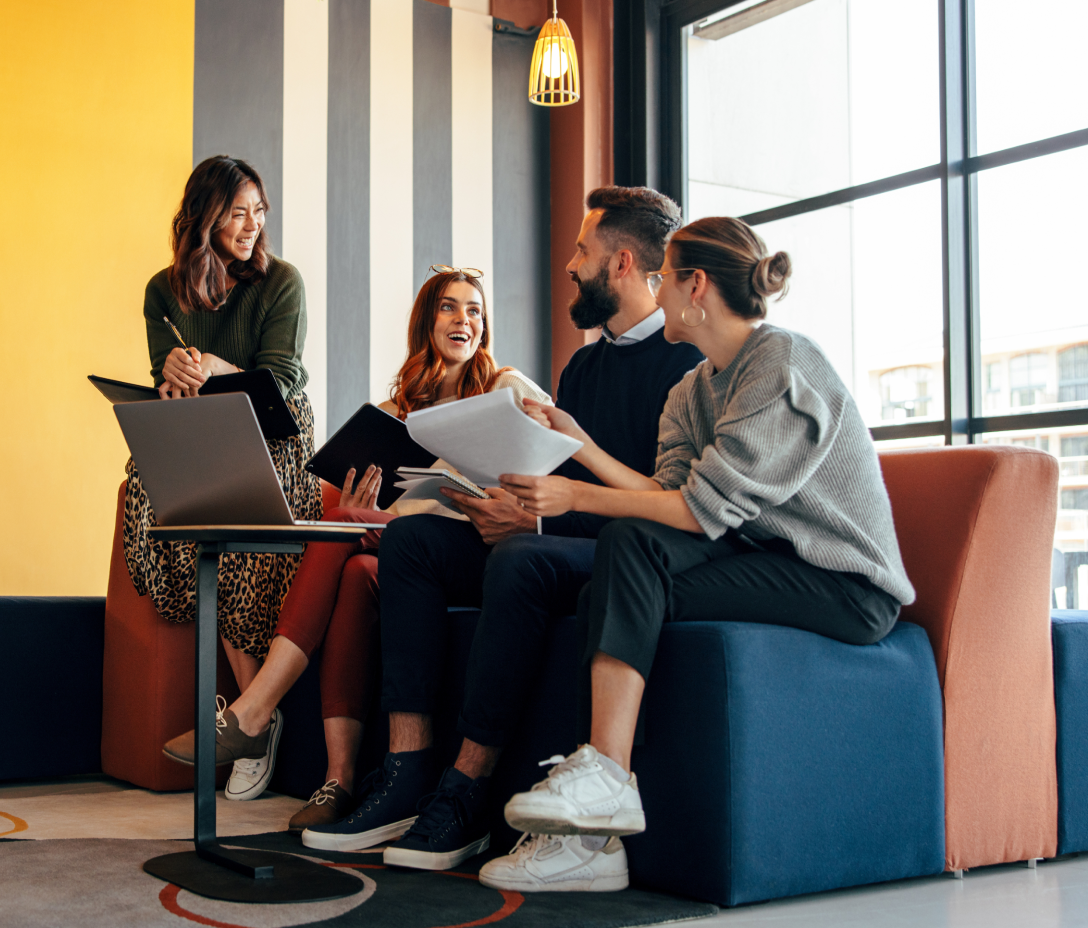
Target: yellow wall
[[96, 103]]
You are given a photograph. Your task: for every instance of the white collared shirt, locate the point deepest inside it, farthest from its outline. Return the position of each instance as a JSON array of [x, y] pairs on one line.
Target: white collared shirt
[[635, 334]]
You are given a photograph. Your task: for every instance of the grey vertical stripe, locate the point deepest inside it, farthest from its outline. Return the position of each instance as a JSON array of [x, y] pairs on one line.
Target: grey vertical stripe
[[432, 138], [238, 91], [522, 212], [348, 311]]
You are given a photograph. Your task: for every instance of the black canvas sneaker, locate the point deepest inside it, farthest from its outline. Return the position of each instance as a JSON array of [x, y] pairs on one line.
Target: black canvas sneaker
[[451, 826]]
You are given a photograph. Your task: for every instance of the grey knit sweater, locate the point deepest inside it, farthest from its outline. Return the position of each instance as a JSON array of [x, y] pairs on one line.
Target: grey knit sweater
[[774, 446], [260, 325]]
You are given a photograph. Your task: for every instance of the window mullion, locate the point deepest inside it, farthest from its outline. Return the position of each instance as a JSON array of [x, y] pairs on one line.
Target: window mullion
[[954, 221]]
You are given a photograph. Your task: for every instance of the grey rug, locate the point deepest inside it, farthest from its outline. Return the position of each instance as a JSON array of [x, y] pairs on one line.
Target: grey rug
[[94, 883]]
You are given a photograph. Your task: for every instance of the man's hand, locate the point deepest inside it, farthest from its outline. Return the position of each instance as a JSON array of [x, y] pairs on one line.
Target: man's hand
[[495, 519], [543, 496]]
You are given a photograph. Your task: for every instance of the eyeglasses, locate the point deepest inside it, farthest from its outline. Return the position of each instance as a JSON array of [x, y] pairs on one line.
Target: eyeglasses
[[467, 271], [657, 278]]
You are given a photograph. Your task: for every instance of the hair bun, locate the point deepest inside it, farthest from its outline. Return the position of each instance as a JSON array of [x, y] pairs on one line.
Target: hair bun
[[770, 275]]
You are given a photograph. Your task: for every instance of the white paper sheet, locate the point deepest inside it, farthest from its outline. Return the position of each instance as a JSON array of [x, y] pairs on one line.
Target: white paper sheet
[[488, 435]]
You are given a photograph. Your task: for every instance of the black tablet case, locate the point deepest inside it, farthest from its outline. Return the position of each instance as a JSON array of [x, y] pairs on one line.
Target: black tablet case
[[371, 436], [273, 415]]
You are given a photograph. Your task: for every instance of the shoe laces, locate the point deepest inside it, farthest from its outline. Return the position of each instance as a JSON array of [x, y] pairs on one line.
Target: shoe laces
[[326, 794], [248, 767], [529, 848], [220, 717], [562, 768], [379, 779], [436, 810]]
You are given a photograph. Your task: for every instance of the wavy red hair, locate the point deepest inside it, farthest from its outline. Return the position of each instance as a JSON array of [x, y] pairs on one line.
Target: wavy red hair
[[419, 380]]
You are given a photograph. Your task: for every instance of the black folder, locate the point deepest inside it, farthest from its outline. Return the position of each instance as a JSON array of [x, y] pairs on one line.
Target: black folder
[[371, 436], [273, 415]]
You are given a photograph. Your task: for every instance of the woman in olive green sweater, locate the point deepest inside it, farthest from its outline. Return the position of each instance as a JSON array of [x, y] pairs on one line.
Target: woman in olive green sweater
[[240, 308]]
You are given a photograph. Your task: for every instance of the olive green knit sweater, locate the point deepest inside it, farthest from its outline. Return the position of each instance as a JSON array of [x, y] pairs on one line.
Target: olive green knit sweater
[[261, 324]]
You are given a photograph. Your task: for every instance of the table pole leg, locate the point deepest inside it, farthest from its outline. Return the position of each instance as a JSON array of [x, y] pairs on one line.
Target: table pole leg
[[207, 631]]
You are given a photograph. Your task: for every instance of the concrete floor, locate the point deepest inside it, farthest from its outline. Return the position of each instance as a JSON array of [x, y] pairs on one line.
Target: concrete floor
[[1055, 895]]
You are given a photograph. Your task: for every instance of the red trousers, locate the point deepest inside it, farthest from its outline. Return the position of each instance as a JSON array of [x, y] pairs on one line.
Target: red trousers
[[333, 601]]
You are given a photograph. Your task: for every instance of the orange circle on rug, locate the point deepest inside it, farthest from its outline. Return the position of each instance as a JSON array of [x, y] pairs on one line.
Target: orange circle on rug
[[18, 823], [511, 901]]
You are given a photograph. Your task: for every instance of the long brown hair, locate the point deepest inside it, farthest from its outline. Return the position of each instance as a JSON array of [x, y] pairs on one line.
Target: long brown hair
[[420, 378], [735, 260], [198, 276]]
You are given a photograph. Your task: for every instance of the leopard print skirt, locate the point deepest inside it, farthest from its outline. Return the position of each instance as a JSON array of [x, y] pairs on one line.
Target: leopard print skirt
[[252, 587]]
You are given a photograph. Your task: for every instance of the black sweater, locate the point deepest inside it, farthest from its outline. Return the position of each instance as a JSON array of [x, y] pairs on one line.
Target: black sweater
[[617, 393]]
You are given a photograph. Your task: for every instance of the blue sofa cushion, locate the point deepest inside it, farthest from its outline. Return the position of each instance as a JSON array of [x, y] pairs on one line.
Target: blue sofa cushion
[[1069, 632], [780, 762], [51, 687]]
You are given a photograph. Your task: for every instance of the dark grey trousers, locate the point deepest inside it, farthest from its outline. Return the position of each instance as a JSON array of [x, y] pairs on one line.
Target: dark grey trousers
[[646, 574]]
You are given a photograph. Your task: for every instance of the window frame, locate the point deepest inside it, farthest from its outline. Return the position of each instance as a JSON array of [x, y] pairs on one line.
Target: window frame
[[649, 39]]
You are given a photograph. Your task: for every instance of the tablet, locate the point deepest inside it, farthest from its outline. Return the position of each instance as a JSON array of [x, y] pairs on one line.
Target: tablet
[[371, 436], [273, 415]]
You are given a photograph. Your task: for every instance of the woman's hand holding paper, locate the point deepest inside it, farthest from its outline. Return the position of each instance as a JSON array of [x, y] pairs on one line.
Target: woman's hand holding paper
[[365, 495], [558, 421], [543, 496]]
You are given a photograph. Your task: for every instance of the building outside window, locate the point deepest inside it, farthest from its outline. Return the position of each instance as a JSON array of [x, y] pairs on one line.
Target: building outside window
[[1027, 379], [905, 393], [1073, 374]]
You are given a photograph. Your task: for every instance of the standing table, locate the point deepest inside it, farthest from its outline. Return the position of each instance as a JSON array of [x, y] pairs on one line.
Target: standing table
[[211, 869]]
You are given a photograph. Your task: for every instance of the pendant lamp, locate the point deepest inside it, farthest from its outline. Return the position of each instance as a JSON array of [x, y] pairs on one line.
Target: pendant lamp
[[553, 77]]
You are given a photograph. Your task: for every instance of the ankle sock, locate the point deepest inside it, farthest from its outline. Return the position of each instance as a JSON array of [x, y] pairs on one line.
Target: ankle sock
[[613, 768]]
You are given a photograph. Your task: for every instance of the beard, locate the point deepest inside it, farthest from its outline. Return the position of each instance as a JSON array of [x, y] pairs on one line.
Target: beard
[[595, 303]]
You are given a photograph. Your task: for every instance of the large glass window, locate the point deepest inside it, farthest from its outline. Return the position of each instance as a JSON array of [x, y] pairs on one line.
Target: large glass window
[[866, 287], [918, 261], [1031, 237], [1031, 70], [832, 94]]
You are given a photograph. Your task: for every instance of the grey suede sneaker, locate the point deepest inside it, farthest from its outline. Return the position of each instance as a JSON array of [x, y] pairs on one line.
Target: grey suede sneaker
[[231, 743]]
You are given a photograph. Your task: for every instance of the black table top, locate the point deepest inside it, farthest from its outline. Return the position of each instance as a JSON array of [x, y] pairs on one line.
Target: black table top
[[325, 531]]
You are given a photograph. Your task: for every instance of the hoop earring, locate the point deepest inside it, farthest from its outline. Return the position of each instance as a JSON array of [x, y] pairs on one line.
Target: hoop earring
[[684, 316]]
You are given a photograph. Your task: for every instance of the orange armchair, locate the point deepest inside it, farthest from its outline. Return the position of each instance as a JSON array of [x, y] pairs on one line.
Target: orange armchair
[[976, 529], [148, 678]]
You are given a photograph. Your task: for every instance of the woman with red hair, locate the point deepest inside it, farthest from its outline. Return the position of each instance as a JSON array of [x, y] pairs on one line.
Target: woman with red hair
[[333, 600]]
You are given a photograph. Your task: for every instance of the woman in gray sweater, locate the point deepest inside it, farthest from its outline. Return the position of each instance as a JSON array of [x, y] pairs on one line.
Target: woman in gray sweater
[[767, 505]]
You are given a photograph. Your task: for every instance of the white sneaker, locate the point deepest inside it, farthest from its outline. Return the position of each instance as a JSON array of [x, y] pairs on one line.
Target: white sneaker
[[550, 863], [250, 778], [580, 797]]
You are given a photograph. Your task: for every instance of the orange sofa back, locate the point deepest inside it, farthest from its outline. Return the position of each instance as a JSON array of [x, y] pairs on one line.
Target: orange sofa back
[[976, 530]]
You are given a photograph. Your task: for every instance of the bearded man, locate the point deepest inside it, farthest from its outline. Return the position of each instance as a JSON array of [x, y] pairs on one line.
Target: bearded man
[[616, 389]]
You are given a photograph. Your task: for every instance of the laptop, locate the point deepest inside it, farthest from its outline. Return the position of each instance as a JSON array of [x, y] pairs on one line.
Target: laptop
[[203, 461]]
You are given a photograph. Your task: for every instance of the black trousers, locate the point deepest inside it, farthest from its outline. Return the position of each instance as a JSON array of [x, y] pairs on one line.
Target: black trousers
[[428, 563], [646, 574]]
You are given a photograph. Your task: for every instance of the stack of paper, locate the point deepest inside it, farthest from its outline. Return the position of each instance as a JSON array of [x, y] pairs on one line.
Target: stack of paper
[[488, 435]]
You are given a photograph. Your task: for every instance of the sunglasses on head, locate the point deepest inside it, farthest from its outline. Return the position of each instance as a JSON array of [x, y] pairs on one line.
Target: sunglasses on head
[[467, 271]]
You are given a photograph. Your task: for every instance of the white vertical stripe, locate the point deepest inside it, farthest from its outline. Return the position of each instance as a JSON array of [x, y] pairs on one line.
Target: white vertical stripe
[[305, 177], [473, 227], [391, 291], [474, 6]]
